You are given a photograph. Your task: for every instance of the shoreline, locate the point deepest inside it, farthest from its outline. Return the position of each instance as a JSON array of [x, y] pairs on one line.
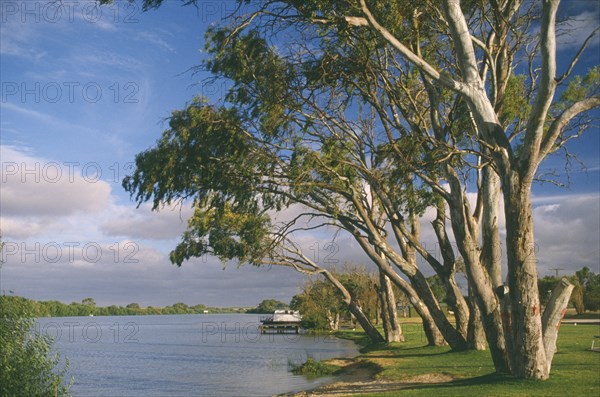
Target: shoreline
[[354, 372], [358, 376]]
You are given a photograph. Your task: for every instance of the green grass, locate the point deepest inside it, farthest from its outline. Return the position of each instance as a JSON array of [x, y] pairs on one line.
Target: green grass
[[575, 370]]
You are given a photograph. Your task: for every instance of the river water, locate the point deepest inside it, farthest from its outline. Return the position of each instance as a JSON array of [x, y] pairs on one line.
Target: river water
[[184, 355]]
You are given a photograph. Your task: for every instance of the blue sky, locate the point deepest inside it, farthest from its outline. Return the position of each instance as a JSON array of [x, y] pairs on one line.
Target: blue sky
[[85, 88]]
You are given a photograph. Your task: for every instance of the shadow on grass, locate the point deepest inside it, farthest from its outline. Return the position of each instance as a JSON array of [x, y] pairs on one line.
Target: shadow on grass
[[398, 349], [403, 355]]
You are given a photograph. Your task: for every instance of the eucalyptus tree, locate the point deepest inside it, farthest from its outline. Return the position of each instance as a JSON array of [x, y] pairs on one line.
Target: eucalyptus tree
[[513, 149], [367, 114]]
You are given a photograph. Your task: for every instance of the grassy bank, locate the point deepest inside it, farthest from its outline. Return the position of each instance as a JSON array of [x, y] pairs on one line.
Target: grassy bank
[[411, 369]]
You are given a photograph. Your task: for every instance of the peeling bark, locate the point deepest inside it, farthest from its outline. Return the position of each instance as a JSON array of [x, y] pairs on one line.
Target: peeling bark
[[529, 355]]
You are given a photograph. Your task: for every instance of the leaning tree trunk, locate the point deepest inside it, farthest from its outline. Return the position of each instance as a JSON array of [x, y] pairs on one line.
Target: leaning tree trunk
[[488, 305], [458, 304], [476, 333], [465, 232], [417, 280], [389, 314], [491, 253], [432, 332], [456, 341], [364, 322], [553, 314], [355, 309], [447, 273]]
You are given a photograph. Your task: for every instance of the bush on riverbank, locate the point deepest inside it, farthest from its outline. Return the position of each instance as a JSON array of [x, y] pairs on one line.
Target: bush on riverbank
[[314, 368], [28, 367]]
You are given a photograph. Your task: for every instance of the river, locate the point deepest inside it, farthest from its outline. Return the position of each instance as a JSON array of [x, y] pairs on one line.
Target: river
[[184, 355]]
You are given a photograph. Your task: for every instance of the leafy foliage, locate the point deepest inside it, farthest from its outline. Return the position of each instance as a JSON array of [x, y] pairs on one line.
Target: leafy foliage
[[515, 107], [580, 87], [321, 305], [28, 367]]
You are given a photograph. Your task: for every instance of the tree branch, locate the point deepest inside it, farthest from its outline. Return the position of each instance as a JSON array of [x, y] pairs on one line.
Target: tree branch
[[561, 122], [411, 56], [577, 56], [546, 88]]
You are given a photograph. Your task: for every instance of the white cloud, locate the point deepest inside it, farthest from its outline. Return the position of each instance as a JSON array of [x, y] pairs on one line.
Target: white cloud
[[572, 33], [17, 39], [567, 233], [40, 187], [26, 227], [156, 40], [47, 119], [142, 223], [109, 60], [99, 20]]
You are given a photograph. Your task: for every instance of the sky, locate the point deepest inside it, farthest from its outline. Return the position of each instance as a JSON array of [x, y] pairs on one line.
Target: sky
[[84, 88]]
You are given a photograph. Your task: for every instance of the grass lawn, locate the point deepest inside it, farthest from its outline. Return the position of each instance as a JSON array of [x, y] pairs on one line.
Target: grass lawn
[[575, 370]]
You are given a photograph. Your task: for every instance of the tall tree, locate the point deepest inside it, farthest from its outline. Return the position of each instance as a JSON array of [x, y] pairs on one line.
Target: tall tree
[[379, 109]]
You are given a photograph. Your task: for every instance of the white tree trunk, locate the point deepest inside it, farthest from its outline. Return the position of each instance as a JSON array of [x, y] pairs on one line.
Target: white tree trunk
[[389, 313], [553, 314]]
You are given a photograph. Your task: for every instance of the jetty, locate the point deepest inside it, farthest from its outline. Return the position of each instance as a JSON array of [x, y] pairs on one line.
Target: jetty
[[281, 321]]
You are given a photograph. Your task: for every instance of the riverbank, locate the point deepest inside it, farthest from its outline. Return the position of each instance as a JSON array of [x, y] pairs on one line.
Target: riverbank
[[411, 369]]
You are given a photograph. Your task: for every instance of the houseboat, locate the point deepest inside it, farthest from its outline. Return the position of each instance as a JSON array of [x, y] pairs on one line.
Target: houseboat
[[281, 321]]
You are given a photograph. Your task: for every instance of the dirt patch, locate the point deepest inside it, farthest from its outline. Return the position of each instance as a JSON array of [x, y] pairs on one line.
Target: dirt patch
[[430, 378]]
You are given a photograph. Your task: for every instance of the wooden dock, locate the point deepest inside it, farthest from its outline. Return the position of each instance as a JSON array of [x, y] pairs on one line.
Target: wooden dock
[[279, 327]]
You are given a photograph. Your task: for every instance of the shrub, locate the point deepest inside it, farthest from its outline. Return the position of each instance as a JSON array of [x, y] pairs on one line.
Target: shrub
[[27, 365], [313, 368]]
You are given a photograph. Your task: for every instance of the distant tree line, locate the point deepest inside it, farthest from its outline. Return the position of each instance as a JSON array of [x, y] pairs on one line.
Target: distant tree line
[[88, 307]]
